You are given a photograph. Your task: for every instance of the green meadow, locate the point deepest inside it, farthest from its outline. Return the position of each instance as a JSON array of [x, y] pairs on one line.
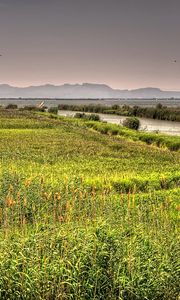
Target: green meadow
[[88, 210]]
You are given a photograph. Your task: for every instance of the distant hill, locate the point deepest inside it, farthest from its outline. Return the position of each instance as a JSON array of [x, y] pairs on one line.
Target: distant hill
[[85, 90]]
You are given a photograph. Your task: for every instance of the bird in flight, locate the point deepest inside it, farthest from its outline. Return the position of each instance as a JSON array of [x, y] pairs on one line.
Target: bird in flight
[[174, 61]]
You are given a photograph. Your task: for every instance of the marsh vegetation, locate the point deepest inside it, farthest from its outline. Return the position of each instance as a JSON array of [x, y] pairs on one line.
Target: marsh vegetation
[[88, 210]]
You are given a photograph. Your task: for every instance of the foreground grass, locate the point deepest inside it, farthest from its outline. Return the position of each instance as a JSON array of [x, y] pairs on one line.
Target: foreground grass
[[85, 215]]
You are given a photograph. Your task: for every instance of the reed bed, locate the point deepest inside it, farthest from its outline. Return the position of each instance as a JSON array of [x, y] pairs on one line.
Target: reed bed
[[84, 215]]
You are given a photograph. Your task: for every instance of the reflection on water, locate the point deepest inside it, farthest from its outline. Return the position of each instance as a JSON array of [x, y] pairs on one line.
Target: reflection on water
[[150, 125]]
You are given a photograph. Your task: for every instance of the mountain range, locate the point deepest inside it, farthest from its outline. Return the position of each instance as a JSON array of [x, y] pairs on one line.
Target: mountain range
[[85, 90]]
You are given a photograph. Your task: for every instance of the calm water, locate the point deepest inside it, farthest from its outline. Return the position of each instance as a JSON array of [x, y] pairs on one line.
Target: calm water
[[108, 102], [168, 127], [149, 125]]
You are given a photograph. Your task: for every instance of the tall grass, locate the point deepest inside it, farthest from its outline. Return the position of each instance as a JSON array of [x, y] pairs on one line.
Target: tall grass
[[80, 244], [85, 215]]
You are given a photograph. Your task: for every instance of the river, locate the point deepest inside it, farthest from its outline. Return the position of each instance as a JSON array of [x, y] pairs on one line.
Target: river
[[149, 125]]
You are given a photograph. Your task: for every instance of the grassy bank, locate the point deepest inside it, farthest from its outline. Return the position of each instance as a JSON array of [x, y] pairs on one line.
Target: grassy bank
[[159, 140], [85, 215]]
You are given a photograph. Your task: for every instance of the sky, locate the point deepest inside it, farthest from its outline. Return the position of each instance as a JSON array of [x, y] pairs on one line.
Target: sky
[[126, 44]]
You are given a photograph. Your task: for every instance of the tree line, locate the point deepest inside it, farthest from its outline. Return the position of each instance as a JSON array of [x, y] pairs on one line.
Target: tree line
[[159, 112]]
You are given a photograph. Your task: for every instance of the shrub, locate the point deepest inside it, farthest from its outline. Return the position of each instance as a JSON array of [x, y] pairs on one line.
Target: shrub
[[11, 106], [132, 123], [148, 138], [90, 117], [33, 108], [30, 107], [53, 110], [159, 106], [93, 117], [79, 115]]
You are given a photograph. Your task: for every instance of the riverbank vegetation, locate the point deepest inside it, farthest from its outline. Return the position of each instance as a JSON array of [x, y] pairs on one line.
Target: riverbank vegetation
[[156, 139], [86, 212], [132, 123], [159, 112], [89, 117]]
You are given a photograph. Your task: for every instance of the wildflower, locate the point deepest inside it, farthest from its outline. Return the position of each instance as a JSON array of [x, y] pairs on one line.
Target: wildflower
[[61, 219], [57, 196], [178, 208], [27, 183], [10, 202]]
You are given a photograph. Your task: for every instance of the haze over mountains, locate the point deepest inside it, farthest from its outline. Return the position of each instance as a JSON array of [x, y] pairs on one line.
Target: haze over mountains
[[85, 90]]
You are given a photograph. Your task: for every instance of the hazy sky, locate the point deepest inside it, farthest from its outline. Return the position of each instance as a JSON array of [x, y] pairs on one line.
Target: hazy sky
[[123, 43]]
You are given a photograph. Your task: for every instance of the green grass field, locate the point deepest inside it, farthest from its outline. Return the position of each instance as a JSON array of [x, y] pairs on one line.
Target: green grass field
[[87, 212]]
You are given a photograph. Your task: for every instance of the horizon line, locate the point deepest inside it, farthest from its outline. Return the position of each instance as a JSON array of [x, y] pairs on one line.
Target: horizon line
[[90, 83]]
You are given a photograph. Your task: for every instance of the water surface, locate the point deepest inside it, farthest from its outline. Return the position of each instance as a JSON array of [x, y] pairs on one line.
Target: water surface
[[149, 125], [107, 102]]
